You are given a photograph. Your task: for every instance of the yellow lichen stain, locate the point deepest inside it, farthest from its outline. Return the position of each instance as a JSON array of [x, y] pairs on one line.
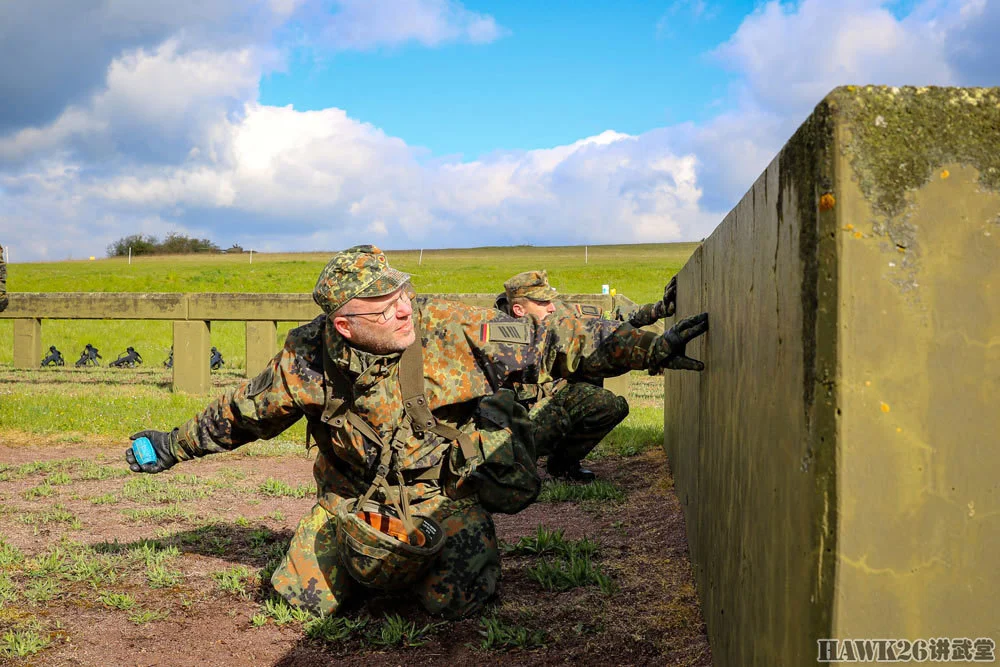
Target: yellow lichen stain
[[858, 235], [884, 407], [848, 227], [899, 429], [868, 383], [945, 173], [972, 508], [827, 202]]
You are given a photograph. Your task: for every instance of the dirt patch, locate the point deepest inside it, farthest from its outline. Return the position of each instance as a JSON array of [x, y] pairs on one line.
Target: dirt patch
[[112, 568]]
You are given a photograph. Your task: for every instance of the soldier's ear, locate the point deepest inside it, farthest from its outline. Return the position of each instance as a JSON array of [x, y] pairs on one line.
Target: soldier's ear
[[342, 325], [517, 309]]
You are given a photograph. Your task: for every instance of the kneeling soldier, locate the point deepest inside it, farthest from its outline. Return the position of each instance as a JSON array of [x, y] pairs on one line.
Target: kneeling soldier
[[416, 444]]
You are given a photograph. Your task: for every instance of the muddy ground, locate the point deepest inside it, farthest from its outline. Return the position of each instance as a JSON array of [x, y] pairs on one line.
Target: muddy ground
[[100, 567]]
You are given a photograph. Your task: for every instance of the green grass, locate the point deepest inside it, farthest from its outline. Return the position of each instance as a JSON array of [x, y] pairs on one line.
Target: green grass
[[397, 631], [277, 489], [562, 574], [70, 403], [641, 431], [498, 635], [22, 643], [546, 542], [234, 580], [555, 492], [122, 601], [332, 629]]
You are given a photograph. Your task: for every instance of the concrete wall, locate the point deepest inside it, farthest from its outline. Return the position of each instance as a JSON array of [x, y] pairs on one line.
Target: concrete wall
[[838, 460]]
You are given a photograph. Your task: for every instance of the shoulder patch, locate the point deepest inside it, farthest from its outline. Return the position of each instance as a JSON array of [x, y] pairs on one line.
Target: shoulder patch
[[505, 332], [588, 310]]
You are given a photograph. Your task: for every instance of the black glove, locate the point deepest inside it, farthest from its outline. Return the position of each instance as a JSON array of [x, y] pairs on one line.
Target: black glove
[[163, 445], [667, 351], [670, 298], [654, 312]]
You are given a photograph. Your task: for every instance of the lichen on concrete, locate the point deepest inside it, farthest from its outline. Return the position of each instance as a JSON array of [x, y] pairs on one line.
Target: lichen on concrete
[[899, 137]]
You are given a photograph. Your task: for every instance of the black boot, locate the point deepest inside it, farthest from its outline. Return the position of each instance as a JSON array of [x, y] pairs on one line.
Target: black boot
[[569, 470]]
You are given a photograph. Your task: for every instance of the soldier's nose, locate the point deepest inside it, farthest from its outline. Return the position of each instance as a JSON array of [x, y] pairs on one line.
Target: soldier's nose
[[404, 309]]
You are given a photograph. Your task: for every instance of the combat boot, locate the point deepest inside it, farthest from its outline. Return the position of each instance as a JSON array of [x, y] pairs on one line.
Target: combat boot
[[569, 470]]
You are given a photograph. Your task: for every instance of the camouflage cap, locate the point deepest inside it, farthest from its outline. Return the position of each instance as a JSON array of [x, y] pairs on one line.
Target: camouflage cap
[[361, 271], [533, 285]]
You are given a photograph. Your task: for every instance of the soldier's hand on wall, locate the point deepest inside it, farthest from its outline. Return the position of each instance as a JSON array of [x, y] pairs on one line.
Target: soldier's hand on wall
[[654, 312], [670, 298], [668, 351], [163, 444]]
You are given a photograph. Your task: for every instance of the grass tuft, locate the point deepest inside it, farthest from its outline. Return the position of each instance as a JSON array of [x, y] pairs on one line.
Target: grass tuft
[[498, 635]]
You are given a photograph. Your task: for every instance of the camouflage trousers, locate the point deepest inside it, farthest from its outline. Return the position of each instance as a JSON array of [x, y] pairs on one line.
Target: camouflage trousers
[[571, 422], [458, 583]]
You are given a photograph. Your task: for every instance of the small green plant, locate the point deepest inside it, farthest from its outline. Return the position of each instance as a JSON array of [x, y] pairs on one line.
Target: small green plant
[[60, 477], [144, 616], [498, 635], [332, 629], [147, 514], [242, 522], [277, 488], [42, 590], [22, 643], [555, 492], [106, 499], [396, 631], [279, 610], [259, 620], [43, 490], [546, 542], [8, 589], [562, 574], [9, 554], [122, 601], [151, 552], [277, 515], [159, 576], [234, 580]]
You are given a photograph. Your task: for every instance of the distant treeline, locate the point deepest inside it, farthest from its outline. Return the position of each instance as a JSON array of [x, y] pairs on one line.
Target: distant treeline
[[174, 244]]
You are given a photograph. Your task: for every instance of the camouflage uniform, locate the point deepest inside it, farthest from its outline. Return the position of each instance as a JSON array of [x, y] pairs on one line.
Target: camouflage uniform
[[569, 418], [468, 353], [3, 281]]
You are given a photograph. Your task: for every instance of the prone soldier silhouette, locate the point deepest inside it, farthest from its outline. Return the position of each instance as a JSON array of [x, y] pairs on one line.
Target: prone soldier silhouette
[[89, 356], [54, 357], [216, 360], [127, 358]]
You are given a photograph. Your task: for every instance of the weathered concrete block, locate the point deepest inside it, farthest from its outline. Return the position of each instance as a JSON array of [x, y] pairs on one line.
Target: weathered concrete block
[[261, 345], [192, 347], [838, 459], [27, 342]]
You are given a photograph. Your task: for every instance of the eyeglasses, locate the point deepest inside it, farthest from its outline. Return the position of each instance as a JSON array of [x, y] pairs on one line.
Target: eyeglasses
[[406, 296]]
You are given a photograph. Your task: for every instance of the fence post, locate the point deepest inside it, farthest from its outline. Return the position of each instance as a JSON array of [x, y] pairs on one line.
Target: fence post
[[192, 340], [27, 342], [260, 345]]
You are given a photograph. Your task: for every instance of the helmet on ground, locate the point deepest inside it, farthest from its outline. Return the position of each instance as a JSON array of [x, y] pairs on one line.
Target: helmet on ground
[[376, 549]]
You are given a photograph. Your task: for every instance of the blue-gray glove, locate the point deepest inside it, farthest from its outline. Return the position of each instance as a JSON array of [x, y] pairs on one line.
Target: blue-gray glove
[[163, 444]]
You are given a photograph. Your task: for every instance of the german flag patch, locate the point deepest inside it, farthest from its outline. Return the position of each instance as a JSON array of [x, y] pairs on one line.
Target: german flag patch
[[505, 332], [587, 310]]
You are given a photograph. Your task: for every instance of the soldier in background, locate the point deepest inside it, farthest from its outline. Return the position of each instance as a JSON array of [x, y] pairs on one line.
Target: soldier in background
[[3, 281], [350, 373], [569, 416]]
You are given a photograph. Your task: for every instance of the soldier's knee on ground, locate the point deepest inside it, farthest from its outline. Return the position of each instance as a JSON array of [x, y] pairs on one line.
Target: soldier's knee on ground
[[310, 575], [466, 573]]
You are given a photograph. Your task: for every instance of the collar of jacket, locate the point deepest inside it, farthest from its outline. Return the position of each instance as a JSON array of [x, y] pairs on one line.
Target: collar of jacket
[[350, 360]]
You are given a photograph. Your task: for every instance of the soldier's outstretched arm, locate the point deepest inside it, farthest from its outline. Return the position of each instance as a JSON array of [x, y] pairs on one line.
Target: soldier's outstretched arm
[[258, 408], [656, 311]]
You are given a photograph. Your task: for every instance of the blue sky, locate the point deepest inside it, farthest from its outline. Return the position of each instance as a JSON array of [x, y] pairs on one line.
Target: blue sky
[[562, 71], [287, 125]]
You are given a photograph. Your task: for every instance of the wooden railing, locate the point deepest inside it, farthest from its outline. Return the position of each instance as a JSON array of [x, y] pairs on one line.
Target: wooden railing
[[192, 314]]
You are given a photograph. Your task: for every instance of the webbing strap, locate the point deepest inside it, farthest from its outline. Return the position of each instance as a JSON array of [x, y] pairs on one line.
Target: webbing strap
[[411, 384]]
